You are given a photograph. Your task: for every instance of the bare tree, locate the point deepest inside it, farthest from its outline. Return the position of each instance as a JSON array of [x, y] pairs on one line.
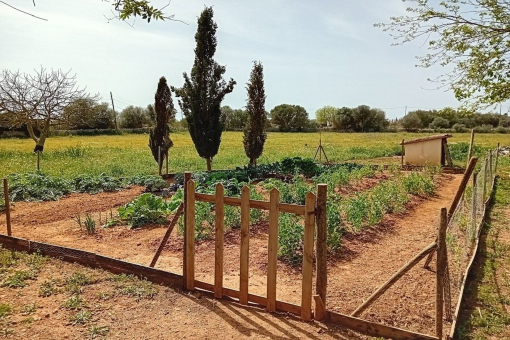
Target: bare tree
[[37, 101]]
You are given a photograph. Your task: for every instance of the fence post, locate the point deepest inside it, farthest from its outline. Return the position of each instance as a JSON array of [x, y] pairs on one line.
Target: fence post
[[187, 178], [245, 245], [490, 167], [470, 152], [38, 160], [402, 156], [484, 192], [440, 272], [218, 239], [306, 286], [497, 158], [7, 207], [274, 213], [321, 247], [473, 210]]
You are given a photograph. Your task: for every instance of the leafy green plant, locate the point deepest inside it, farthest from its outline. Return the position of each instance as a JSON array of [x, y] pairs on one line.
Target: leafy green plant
[[94, 184], [28, 309], [145, 209], [290, 238], [37, 187], [334, 226], [76, 281]]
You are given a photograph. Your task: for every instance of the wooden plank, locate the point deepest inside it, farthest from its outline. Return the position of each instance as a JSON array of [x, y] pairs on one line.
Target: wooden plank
[[14, 243], [254, 204], [272, 249], [375, 329], [462, 186], [167, 234], [440, 272], [447, 153], [187, 178], [7, 207], [190, 235], [321, 247], [319, 316], [471, 143], [245, 245], [401, 272], [307, 269], [218, 241]]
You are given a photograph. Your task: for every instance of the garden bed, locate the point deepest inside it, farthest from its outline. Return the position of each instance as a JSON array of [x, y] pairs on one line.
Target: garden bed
[[366, 259]]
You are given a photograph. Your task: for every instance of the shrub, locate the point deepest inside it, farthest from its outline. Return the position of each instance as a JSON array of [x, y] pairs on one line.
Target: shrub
[[459, 128], [459, 151], [501, 129]]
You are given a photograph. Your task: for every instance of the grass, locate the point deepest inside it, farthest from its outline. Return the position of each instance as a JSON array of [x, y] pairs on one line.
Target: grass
[[5, 310], [486, 304], [128, 155]]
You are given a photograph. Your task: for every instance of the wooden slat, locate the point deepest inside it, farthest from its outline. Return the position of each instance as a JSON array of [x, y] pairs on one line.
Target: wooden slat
[[272, 249], [245, 245], [190, 236], [440, 272], [167, 234], [254, 204], [218, 249], [401, 272], [14, 243], [307, 280], [187, 178], [375, 329], [321, 251]]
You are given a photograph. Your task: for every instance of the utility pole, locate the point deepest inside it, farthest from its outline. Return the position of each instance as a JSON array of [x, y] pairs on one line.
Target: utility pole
[[114, 113], [405, 113]]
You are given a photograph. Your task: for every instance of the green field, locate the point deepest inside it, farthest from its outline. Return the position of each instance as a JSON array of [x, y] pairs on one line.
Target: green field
[[129, 154]]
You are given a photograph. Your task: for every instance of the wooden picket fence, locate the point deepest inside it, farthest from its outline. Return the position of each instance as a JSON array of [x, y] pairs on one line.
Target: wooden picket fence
[[308, 210]]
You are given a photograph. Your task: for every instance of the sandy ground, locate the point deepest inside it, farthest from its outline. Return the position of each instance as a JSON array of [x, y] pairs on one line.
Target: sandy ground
[[365, 262]]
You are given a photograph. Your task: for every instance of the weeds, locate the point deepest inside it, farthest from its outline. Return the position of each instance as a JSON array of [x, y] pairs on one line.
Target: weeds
[[74, 302], [18, 279], [95, 331], [29, 309], [89, 224], [81, 317], [47, 288], [290, 238], [76, 281], [130, 285], [5, 310]]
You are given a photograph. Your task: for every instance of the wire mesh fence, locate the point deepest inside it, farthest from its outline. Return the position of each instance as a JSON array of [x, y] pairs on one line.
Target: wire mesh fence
[[464, 230]]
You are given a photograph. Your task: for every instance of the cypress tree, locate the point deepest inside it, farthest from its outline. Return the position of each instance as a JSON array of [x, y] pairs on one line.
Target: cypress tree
[[203, 92], [255, 132], [159, 136]]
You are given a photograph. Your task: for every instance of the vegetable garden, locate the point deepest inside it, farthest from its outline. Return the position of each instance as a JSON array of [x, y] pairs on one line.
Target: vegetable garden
[[375, 217]]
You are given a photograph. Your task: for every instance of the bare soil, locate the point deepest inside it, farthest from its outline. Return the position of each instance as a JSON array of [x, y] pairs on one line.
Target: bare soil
[[365, 262]]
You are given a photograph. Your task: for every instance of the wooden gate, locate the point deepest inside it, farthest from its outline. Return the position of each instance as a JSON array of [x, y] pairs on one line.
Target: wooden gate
[[308, 210]]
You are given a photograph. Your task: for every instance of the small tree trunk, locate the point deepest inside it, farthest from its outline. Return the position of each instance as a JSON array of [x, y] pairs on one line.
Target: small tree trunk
[[209, 164], [253, 161]]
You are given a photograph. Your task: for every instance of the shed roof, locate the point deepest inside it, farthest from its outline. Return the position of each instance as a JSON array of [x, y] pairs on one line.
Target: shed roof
[[424, 139]]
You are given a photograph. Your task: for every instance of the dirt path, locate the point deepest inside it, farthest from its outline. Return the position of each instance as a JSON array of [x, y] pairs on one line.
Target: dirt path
[[366, 260]]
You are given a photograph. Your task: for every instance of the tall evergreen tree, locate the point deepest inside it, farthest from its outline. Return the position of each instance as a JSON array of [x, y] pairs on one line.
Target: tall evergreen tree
[[203, 92], [255, 132], [159, 136]]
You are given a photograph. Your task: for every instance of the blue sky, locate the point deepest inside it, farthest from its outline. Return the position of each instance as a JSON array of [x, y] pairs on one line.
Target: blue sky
[[314, 53]]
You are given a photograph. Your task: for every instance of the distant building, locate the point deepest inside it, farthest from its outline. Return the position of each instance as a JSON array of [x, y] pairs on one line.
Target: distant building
[[432, 150]]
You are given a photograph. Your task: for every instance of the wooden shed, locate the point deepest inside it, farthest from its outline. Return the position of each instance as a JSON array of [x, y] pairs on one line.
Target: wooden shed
[[432, 150]]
